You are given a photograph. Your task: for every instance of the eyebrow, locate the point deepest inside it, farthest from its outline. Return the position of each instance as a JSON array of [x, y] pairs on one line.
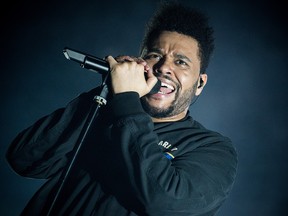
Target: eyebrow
[[182, 57], [177, 55]]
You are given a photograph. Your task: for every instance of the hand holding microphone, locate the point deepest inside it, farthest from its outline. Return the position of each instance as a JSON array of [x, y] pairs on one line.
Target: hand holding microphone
[[128, 74], [131, 73]]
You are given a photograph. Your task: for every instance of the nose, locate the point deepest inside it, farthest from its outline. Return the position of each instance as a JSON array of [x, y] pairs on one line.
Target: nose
[[164, 67]]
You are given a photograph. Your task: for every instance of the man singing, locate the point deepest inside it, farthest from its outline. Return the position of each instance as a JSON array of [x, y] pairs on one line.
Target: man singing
[[145, 155]]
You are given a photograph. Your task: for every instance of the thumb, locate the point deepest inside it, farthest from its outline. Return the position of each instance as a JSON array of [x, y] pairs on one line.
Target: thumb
[[111, 61], [152, 82]]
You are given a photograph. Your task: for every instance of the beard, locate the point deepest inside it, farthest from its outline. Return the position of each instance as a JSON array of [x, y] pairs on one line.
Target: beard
[[178, 105]]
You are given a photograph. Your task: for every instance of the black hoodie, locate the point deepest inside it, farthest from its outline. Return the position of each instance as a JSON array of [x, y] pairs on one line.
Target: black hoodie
[[127, 164]]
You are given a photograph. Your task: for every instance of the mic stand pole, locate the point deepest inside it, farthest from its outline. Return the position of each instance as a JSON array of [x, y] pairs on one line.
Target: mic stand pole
[[100, 100]]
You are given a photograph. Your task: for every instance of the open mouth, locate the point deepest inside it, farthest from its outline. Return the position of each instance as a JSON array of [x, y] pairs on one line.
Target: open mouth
[[166, 88]]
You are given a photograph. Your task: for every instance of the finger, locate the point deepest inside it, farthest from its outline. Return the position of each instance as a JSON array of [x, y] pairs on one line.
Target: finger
[[138, 60], [141, 61], [151, 79], [146, 68], [123, 58], [111, 61]]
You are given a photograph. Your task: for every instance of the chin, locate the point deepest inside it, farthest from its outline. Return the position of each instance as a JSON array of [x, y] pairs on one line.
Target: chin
[[156, 108]]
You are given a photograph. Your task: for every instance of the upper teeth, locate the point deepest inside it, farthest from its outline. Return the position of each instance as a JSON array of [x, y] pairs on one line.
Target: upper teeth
[[167, 86]]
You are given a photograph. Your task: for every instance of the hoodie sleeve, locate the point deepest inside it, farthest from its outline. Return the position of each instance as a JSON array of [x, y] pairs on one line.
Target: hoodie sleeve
[[42, 149]]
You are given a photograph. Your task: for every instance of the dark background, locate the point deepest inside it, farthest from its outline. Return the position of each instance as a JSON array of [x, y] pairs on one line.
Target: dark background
[[245, 97]]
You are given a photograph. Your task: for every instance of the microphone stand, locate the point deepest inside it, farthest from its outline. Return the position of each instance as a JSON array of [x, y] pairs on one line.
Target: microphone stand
[[91, 119]]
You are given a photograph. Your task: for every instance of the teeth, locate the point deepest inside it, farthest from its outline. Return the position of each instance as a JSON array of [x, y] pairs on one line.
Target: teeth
[[167, 86]]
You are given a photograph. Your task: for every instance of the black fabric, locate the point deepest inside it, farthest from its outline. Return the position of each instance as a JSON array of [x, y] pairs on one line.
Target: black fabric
[[128, 165]]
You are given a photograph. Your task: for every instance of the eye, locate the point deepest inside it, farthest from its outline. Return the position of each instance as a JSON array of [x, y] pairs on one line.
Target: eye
[[181, 62], [152, 56]]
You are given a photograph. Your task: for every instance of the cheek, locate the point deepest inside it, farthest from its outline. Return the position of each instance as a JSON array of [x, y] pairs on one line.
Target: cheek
[[187, 82]]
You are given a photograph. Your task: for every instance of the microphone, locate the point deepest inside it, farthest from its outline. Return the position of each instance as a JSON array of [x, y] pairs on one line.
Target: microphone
[[96, 64], [87, 61]]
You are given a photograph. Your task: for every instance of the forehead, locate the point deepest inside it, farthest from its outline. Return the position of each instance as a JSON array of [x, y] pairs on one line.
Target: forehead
[[175, 43]]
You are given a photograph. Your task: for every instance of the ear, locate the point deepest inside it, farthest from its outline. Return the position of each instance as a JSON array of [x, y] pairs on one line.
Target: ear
[[201, 83]]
